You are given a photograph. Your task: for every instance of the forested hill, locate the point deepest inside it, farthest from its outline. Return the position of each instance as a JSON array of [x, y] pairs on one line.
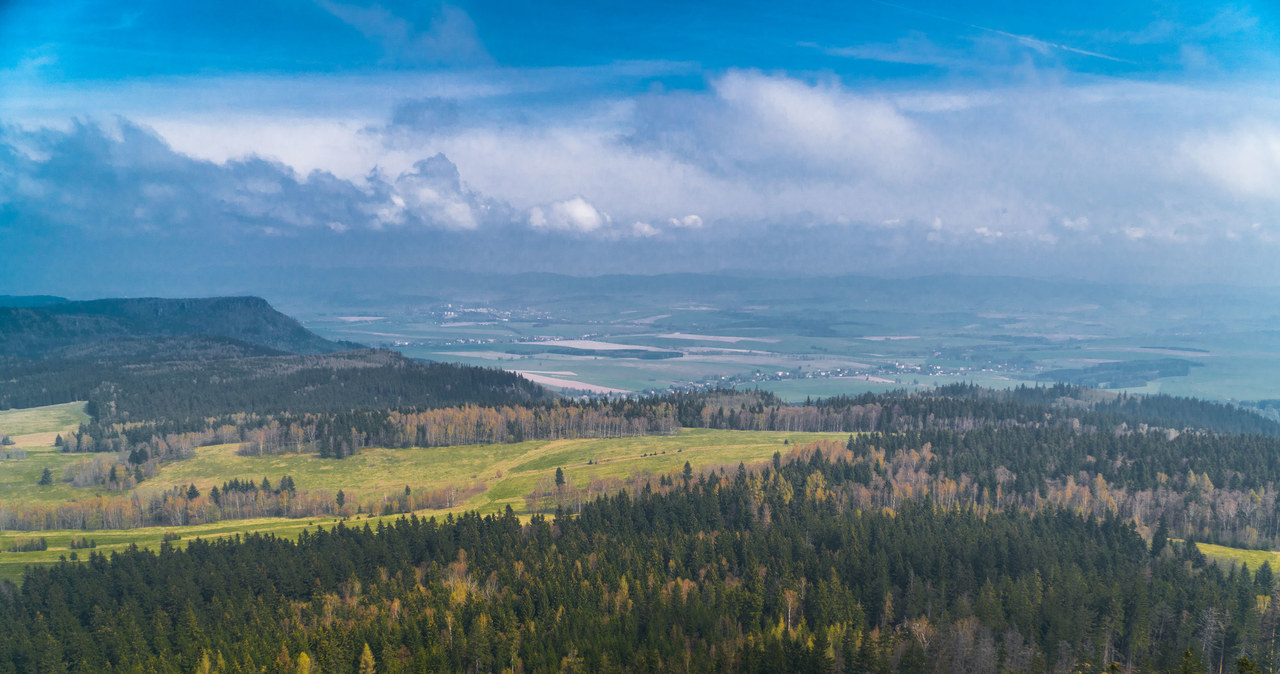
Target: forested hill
[[212, 377], [366, 379], [175, 359], [45, 330]]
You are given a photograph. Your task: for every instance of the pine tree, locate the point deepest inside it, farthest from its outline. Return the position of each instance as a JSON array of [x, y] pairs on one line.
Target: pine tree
[[1161, 537], [366, 661], [1264, 578], [46, 477]]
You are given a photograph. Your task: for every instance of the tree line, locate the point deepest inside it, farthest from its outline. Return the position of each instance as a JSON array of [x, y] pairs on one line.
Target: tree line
[[960, 408], [188, 505]]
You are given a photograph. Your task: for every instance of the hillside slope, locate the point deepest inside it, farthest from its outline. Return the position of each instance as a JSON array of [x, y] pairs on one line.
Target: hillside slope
[[40, 331], [364, 379]]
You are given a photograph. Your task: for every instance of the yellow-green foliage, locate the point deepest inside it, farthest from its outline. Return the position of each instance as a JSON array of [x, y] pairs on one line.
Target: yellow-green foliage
[[34, 430], [18, 477], [49, 419], [508, 471], [1254, 558]]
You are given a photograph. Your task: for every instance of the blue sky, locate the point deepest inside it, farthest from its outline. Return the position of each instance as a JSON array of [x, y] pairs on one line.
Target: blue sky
[[910, 41], [1112, 140]]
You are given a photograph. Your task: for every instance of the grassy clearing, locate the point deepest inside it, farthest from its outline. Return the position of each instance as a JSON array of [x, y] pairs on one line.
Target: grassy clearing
[[508, 471], [35, 430], [1254, 558], [42, 420], [19, 477]]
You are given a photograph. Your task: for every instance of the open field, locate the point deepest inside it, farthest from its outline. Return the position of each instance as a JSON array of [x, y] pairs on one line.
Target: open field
[[561, 383], [28, 426], [34, 430], [1254, 558], [507, 471]]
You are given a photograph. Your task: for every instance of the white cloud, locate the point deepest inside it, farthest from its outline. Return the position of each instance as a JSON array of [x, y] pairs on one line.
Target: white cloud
[[305, 144], [433, 193], [1245, 160], [124, 178], [770, 120], [687, 222], [570, 215], [644, 230]]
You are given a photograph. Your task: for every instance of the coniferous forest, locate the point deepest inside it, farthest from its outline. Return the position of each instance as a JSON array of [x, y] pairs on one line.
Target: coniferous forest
[[771, 569]]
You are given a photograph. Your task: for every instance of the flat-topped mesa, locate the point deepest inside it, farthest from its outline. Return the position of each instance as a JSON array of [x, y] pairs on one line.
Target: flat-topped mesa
[[39, 331]]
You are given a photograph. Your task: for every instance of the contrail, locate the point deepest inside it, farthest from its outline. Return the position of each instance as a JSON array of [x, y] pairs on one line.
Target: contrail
[[1025, 39]]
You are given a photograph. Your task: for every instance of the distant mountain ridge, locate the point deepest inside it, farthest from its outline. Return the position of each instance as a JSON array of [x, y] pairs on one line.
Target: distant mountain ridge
[[30, 300], [36, 329]]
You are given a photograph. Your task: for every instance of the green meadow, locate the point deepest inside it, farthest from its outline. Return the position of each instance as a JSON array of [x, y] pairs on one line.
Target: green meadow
[[22, 424], [507, 472], [1254, 558], [34, 431]]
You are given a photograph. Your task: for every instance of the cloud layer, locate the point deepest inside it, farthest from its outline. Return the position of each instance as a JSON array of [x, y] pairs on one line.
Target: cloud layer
[[1036, 170], [1006, 146], [123, 179]]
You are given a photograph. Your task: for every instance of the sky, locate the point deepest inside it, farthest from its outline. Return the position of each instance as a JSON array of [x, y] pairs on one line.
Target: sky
[[151, 143]]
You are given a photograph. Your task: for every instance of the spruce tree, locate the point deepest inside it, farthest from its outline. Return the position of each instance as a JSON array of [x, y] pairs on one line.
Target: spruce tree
[[366, 661], [1161, 538]]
